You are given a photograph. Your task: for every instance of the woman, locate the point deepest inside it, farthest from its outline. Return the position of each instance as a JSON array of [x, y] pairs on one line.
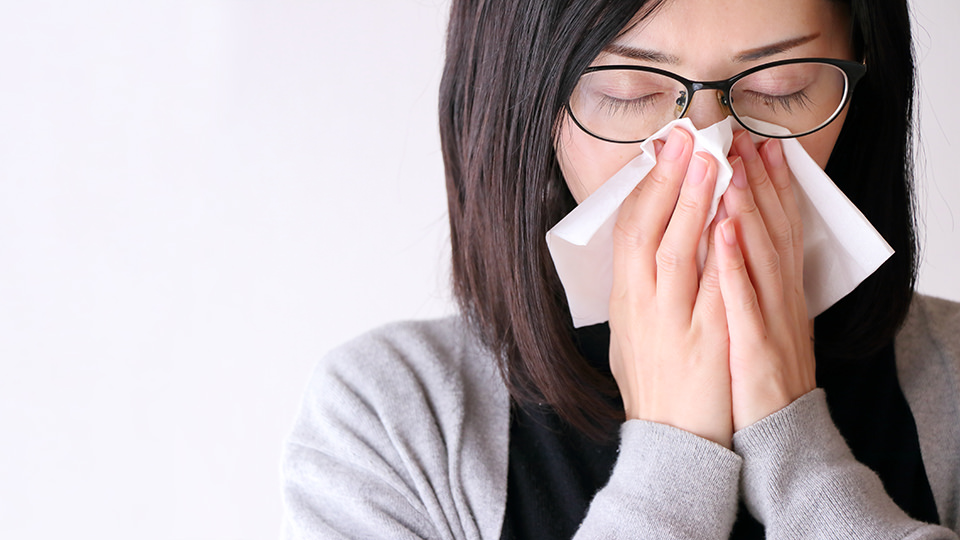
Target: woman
[[697, 412]]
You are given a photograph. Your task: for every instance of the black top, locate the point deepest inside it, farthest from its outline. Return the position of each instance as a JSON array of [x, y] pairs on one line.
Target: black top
[[554, 470]]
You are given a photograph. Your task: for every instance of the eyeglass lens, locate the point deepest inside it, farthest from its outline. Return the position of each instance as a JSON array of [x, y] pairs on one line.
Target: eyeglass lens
[[628, 105]]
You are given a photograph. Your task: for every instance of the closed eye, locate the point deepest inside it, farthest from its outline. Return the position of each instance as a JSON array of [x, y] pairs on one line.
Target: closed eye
[[785, 103], [614, 105]]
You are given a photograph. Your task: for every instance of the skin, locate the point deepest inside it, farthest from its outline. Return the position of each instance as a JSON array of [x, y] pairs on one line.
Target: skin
[[710, 353]]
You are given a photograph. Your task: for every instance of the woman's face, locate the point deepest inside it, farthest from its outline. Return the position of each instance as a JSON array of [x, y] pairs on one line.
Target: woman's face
[[706, 40]]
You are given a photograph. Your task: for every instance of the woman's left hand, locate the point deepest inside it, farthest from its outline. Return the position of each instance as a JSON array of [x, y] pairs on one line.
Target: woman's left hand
[[760, 255]]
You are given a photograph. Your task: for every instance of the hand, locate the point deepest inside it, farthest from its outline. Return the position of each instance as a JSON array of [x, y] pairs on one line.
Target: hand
[[668, 335], [760, 255]]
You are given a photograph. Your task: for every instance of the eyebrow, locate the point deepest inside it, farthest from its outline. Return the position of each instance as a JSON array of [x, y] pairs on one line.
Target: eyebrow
[[770, 50], [648, 55]]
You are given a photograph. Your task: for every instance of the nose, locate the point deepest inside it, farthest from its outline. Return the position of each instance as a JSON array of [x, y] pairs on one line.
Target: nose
[[707, 107]]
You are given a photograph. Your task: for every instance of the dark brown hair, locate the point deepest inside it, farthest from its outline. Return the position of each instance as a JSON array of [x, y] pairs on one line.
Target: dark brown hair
[[510, 67]]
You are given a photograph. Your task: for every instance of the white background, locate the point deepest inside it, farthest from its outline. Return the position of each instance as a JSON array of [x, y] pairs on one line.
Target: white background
[[197, 199]]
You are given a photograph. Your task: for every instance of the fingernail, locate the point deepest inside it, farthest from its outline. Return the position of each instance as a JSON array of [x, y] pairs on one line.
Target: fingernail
[[729, 232], [739, 173], [774, 151], [698, 170], [676, 142]]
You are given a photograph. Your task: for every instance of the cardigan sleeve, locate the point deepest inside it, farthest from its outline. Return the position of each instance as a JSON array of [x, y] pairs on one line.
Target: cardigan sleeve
[[667, 484], [399, 435], [801, 481], [342, 476]]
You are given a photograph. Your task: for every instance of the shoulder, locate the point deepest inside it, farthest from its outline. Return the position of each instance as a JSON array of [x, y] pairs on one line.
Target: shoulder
[[928, 366], [403, 428], [398, 372], [930, 335], [431, 351]]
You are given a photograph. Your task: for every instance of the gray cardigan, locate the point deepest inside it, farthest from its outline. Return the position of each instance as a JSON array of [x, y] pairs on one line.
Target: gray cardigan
[[403, 433]]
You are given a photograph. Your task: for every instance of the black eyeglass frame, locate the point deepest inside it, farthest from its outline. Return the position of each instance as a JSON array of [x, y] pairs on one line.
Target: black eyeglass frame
[[853, 71]]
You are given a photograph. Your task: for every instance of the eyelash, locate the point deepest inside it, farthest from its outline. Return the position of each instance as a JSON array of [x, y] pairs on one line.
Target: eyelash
[[614, 105], [785, 102]]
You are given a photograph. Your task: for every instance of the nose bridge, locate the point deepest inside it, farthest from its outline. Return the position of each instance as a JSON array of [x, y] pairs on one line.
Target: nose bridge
[[706, 106]]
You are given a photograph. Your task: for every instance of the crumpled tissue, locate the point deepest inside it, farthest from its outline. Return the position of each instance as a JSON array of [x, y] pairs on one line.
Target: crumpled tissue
[[840, 247]]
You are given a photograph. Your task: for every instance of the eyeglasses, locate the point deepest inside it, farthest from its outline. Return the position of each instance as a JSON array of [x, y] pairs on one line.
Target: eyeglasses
[[789, 98]]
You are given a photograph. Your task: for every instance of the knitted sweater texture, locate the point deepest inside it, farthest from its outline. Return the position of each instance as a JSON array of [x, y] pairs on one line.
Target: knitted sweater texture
[[403, 434]]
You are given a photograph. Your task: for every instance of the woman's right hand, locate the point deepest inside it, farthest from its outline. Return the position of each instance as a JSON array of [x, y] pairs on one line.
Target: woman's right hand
[[668, 333]]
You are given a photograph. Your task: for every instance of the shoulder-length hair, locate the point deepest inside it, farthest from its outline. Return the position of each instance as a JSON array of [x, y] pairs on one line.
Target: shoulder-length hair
[[511, 65]]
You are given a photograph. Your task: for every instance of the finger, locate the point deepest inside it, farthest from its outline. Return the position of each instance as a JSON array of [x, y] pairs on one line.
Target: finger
[[776, 165], [709, 304], [740, 301], [677, 270], [767, 198], [762, 258], [646, 212]]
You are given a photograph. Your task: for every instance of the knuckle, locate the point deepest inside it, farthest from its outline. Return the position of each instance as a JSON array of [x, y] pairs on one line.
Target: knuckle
[[629, 235], [782, 181], [710, 281], [770, 263], [744, 204], [736, 266], [761, 180], [657, 182], [619, 294], [668, 260], [749, 303], [782, 233], [687, 205], [628, 228], [663, 178], [750, 209], [796, 229]]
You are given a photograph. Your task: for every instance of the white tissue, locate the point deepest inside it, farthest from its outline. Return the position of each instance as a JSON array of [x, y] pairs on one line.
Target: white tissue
[[840, 247]]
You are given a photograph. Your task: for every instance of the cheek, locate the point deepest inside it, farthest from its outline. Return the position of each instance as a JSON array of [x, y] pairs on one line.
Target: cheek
[[587, 162], [820, 144]]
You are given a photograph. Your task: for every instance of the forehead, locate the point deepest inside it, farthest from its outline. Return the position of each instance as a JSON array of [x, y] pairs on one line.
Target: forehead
[[705, 34]]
